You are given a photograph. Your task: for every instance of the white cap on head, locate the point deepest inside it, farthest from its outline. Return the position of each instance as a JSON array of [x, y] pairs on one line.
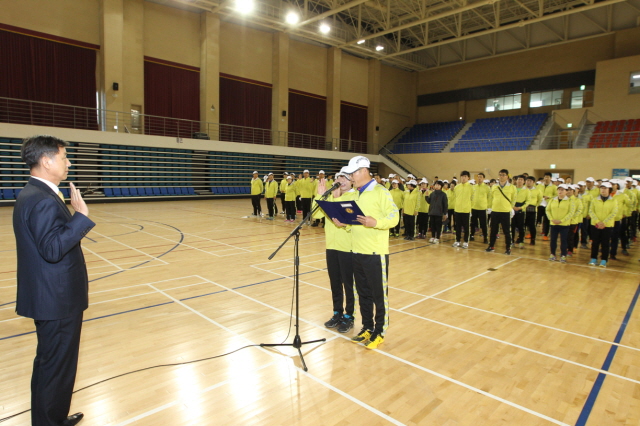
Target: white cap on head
[[411, 176], [321, 171], [412, 182], [424, 180], [395, 181], [255, 173], [289, 177], [576, 187], [270, 174], [560, 180], [635, 182], [606, 185], [445, 181], [391, 175], [356, 163], [472, 181], [486, 181], [590, 179], [629, 179], [563, 186], [306, 171], [582, 183], [596, 183], [285, 173], [605, 180]]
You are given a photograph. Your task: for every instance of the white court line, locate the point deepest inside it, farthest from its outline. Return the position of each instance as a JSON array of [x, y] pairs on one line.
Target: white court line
[[175, 242], [106, 260], [456, 285], [351, 398], [153, 282], [129, 247], [449, 379], [485, 336]]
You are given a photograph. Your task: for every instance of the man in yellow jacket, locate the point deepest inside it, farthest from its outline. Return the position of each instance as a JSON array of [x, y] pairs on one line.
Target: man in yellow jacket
[[463, 193], [481, 201], [270, 194], [503, 199], [603, 211], [371, 251], [549, 191], [559, 211], [523, 199], [535, 198], [257, 186]]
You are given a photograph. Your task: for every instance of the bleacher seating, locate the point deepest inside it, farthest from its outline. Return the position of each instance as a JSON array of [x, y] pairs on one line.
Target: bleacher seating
[[429, 137], [616, 134], [128, 172], [513, 133]]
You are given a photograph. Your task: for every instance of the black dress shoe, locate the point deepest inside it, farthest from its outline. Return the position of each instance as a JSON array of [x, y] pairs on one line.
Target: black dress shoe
[[73, 419]]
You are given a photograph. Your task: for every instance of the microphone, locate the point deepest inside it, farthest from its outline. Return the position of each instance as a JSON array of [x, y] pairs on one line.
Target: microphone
[[330, 190]]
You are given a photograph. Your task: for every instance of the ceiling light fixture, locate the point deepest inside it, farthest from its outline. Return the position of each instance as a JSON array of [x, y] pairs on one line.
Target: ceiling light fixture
[[360, 41], [244, 6], [324, 28], [379, 48], [292, 18]]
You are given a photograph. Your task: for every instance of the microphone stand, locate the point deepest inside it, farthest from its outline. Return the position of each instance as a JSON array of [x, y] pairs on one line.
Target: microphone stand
[[297, 341]]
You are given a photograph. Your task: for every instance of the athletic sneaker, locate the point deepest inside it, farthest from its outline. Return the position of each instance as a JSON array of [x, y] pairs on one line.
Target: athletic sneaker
[[490, 249], [603, 264], [334, 321], [584, 246], [465, 245], [361, 337], [436, 241], [508, 252], [521, 245], [346, 324], [552, 258], [593, 262], [456, 244], [375, 340], [563, 259], [431, 239]]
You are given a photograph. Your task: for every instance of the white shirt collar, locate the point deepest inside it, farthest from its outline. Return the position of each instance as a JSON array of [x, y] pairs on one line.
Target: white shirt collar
[[51, 185]]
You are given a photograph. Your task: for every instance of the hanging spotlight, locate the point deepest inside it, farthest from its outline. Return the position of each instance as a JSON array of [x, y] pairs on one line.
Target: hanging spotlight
[[244, 6], [324, 28], [292, 18], [379, 48], [360, 41]]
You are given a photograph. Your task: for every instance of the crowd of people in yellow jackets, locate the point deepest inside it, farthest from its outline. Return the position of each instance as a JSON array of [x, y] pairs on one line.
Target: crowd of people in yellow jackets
[[602, 212]]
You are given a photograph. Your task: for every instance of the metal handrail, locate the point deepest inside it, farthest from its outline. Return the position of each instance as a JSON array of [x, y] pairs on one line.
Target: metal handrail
[[400, 163], [28, 112]]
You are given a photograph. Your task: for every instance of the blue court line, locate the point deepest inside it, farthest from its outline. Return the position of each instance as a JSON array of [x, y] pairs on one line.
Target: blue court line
[[8, 303], [126, 312], [597, 385]]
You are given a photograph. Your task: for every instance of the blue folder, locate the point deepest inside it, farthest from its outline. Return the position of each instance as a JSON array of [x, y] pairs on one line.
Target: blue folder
[[345, 211]]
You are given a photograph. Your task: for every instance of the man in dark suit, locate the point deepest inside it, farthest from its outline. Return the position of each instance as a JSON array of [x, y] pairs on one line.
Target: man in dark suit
[[52, 277]]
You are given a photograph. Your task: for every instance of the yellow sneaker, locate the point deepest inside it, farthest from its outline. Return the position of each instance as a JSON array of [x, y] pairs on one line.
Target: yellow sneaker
[[361, 337], [375, 340]]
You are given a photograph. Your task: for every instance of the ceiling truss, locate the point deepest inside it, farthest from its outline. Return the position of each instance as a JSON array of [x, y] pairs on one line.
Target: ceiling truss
[[424, 34]]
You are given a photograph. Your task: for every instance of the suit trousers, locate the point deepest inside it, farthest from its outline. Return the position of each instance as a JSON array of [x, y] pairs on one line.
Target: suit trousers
[[371, 272], [54, 369], [340, 269]]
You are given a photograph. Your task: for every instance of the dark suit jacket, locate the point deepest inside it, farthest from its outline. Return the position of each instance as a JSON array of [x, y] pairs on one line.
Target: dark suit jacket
[[52, 275]]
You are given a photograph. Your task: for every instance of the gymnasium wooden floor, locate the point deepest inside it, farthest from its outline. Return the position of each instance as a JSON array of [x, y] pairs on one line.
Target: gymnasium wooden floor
[[475, 338]]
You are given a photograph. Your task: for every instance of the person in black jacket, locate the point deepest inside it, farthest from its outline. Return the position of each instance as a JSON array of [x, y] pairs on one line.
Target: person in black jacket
[[52, 276], [438, 208]]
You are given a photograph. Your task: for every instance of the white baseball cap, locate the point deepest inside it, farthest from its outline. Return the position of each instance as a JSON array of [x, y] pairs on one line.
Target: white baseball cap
[[445, 181], [628, 179], [635, 182], [412, 182], [255, 173], [560, 180], [486, 181], [391, 175], [306, 171], [472, 181], [289, 177], [424, 180], [270, 174], [356, 163], [582, 183], [395, 181], [563, 186], [321, 171], [590, 179], [606, 185]]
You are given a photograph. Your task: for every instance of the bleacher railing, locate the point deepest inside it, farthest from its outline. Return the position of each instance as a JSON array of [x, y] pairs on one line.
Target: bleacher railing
[[400, 163], [36, 113]]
